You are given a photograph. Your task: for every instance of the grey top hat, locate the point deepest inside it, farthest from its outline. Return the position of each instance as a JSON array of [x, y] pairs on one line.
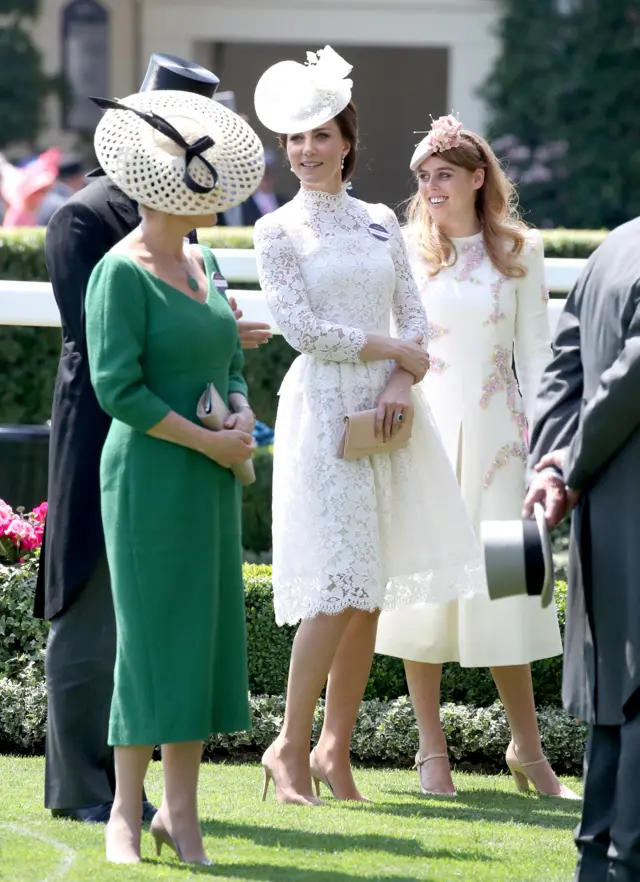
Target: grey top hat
[[518, 557]]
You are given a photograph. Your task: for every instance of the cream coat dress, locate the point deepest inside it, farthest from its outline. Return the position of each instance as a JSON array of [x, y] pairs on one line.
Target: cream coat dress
[[478, 320]]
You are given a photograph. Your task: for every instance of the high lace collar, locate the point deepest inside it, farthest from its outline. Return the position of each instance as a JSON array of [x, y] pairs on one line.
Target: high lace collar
[[467, 240], [323, 200]]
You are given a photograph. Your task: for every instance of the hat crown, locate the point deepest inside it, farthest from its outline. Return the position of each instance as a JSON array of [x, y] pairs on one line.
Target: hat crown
[[168, 72]]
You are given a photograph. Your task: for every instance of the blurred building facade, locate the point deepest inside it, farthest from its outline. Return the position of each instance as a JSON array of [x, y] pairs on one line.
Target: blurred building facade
[[411, 58]]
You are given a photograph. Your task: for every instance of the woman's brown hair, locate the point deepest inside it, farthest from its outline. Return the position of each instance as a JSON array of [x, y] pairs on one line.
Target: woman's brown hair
[[347, 121], [504, 233]]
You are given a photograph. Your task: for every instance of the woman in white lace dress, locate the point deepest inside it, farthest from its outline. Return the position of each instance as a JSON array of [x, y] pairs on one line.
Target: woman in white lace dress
[[349, 537], [480, 271]]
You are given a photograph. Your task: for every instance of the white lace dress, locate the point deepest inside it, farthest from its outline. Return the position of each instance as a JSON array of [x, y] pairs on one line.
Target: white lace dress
[[383, 531]]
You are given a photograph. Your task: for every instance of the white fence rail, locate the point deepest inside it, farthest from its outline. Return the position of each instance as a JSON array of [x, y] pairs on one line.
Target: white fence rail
[[31, 304]]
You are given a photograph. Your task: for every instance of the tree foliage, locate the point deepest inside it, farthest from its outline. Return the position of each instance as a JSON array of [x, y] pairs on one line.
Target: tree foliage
[[563, 99], [23, 86]]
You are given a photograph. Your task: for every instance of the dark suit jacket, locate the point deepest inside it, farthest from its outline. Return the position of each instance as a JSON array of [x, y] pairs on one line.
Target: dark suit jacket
[[251, 213], [589, 403], [79, 234]]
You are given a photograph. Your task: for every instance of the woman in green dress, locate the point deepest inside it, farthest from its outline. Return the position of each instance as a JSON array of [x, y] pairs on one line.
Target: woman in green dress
[[159, 329]]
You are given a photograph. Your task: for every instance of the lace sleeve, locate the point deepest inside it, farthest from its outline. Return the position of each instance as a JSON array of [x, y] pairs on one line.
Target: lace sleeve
[[285, 290], [409, 316]]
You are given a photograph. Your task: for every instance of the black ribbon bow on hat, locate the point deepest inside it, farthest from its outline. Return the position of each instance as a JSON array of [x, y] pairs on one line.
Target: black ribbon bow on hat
[[191, 151]]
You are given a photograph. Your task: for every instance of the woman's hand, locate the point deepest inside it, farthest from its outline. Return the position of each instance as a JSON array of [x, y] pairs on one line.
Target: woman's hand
[[395, 401], [243, 419], [228, 447], [252, 334], [413, 358]]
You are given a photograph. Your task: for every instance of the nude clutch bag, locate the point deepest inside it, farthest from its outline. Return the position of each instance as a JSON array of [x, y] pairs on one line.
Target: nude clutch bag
[[359, 436], [212, 412]]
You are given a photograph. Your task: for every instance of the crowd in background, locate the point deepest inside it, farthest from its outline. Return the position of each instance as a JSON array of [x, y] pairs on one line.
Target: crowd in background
[[33, 189]]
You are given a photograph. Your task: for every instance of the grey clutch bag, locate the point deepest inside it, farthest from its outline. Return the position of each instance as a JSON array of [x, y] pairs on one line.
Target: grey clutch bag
[[212, 412]]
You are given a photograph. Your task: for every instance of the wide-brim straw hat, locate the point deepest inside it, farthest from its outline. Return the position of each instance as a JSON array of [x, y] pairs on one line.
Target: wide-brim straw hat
[[518, 557], [186, 154], [292, 97]]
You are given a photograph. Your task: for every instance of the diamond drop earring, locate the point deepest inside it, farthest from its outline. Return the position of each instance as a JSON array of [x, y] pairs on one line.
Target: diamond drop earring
[[342, 163]]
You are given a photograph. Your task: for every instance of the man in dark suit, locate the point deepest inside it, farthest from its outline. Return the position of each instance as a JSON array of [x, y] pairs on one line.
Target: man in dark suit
[[73, 588], [585, 449], [265, 200]]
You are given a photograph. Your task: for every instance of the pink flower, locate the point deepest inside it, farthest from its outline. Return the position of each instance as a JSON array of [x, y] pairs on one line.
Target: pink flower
[[6, 516], [22, 534], [39, 513], [445, 133]]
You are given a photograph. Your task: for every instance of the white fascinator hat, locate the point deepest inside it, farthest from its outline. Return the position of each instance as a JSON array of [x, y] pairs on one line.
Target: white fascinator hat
[[292, 97], [178, 152]]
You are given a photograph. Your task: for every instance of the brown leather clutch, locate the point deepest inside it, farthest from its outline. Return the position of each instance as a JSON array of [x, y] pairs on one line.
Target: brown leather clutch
[[212, 412], [359, 437]]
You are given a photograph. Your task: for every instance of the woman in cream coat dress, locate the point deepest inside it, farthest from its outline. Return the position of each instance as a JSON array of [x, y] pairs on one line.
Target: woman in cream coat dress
[[481, 275]]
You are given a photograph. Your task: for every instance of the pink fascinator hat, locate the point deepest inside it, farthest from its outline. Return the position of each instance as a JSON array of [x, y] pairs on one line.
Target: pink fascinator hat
[[444, 134], [20, 184]]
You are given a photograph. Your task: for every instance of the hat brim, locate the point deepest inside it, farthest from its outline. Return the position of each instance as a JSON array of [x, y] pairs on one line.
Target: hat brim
[[287, 102], [150, 169], [423, 151], [548, 586]]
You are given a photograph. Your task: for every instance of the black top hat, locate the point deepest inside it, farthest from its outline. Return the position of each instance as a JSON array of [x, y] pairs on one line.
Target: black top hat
[[170, 72], [518, 557]]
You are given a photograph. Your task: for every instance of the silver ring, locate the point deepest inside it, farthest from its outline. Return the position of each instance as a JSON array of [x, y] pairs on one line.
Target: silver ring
[[399, 417]]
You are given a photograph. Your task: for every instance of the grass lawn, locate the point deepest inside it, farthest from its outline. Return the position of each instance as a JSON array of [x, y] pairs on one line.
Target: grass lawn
[[488, 834]]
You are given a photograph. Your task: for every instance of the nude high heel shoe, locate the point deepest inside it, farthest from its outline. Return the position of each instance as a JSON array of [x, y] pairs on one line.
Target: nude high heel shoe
[[523, 773], [283, 798], [420, 762], [162, 837], [319, 776]]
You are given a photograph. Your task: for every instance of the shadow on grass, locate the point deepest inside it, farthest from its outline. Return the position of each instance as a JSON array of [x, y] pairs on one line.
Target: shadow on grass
[[272, 872], [499, 808], [277, 837]]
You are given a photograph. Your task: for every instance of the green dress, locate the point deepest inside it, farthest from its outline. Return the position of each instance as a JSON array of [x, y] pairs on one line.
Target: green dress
[[171, 516]]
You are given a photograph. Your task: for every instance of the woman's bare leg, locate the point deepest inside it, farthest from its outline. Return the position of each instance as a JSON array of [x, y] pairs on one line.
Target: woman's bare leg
[[123, 829], [347, 682], [423, 680], [312, 655]]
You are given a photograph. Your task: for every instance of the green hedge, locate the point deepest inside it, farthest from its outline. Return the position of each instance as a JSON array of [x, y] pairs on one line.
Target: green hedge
[[474, 723], [22, 641], [385, 731]]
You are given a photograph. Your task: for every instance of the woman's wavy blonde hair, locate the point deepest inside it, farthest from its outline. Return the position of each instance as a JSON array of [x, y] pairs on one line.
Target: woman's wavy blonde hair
[[504, 233]]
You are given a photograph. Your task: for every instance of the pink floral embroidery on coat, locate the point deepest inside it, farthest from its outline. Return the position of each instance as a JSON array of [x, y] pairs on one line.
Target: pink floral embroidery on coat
[[513, 450], [473, 255]]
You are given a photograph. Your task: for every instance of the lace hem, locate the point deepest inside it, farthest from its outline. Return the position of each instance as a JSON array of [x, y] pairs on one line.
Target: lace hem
[[460, 582]]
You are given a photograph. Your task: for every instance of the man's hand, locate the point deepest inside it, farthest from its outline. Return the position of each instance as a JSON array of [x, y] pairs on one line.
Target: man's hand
[[252, 334], [549, 490], [556, 460]]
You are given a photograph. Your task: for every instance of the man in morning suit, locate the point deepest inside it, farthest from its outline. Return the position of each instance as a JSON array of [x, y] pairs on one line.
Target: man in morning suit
[[585, 448]]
